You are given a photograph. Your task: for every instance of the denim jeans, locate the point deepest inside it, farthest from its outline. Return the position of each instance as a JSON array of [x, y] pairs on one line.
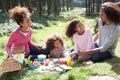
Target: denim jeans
[[97, 57], [34, 52], [96, 45]]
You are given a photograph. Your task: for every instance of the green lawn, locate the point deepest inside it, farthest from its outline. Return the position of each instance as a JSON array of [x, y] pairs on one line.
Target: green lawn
[[109, 67]]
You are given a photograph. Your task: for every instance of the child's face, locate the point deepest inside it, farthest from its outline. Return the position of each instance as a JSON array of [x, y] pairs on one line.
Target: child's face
[[57, 44], [80, 28], [26, 23]]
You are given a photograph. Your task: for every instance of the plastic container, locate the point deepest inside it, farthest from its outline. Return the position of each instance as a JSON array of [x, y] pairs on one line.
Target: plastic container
[[41, 58], [33, 67], [69, 61]]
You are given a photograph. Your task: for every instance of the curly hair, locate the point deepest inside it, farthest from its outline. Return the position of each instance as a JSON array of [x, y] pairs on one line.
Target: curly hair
[[70, 29], [51, 40], [112, 12], [18, 14]]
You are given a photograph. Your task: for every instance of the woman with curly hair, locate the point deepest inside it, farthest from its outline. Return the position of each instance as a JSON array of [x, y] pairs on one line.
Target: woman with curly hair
[[107, 33], [55, 44], [20, 38]]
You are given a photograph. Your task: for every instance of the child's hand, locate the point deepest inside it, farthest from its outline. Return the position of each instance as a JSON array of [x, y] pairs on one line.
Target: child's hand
[[39, 47], [75, 56]]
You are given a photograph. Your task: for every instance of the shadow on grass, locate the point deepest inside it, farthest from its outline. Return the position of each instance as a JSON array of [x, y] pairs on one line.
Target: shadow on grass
[[78, 63], [115, 63], [17, 75]]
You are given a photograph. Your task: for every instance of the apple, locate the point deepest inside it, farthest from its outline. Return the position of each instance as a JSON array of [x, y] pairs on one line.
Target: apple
[[64, 61], [46, 63], [35, 63]]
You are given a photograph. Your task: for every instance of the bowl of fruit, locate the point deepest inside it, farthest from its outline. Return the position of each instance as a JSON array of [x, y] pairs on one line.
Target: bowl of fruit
[[35, 64]]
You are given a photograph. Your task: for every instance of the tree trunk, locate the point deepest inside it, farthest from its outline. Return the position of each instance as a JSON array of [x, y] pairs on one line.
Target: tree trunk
[[63, 5]]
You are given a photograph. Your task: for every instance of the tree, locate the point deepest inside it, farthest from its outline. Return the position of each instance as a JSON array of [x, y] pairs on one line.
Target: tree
[[93, 6], [41, 6]]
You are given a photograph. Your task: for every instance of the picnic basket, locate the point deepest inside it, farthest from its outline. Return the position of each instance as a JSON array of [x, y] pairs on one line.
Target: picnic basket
[[10, 64]]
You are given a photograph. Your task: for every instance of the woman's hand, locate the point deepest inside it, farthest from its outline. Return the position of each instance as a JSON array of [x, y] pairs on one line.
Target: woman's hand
[[39, 47], [83, 54], [88, 52]]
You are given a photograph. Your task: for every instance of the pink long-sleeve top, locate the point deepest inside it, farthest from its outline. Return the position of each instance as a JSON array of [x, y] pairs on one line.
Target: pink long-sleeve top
[[17, 39], [83, 42]]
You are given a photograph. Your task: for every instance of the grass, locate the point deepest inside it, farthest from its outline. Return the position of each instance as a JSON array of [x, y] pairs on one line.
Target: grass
[[79, 72]]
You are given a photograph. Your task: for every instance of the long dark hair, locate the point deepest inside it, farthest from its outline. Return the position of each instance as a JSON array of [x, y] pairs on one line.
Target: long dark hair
[[70, 29], [112, 12]]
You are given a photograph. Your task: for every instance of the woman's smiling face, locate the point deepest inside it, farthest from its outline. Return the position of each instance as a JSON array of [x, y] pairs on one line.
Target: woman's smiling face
[[80, 28]]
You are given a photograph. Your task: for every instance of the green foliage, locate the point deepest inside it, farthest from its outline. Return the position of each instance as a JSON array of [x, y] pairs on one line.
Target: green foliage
[[45, 7], [77, 73], [1, 53], [27, 62], [70, 76], [7, 27]]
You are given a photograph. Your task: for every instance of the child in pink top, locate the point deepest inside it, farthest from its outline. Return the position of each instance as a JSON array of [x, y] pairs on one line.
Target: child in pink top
[[81, 36], [20, 39]]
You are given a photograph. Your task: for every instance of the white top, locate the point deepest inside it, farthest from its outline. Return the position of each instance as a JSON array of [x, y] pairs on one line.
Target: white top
[[83, 42], [25, 34]]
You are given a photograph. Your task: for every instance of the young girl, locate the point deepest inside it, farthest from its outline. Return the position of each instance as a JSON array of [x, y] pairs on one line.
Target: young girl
[[20, 38], [82, 37], [55, 44]]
